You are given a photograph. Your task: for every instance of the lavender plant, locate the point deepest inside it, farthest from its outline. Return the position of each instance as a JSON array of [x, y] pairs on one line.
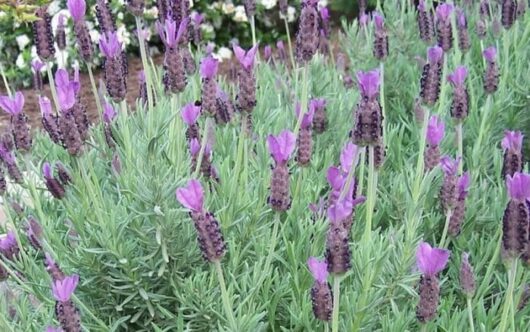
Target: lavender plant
[[138, 257]]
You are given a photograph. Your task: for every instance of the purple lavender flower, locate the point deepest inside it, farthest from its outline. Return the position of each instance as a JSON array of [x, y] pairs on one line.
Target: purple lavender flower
[[320, 120], [283, 8], [224, 107], [280, 47], [321, 295], [34, 233], [512, 144], [65, 310], [211, 241], [197, 19], [457, 215], [115, 75], [516, 215], [435, 134], [363, 20], [209, 85], [54, 329], [308, 31], [368, 115], [304, 140], [109, 114], [206, 168], [491, 75], [37, 67], [338, 253], [467, 278], [267, 53], [348, 157], [250, 7], [324, 16], [63, 173], [431, 76], [448, 194], [460, 103], [509, 8], [106, 21], [190, 114], [60, 34], [175, 71], [136, 7], [8, 158], [246, 96], [42, 33], [425, 22], [77, 9], [280, 147], [20, 128], [443, 25], [430, 261], [53, 268], [380, 38], [464, 43], [54, 186], [9, 246]]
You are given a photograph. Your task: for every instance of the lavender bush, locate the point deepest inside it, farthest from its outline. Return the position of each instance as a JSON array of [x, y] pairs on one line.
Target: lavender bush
[[158, 218]]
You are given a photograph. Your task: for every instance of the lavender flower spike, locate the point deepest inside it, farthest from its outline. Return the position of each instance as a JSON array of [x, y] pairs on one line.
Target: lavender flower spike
[[280, 147], [305, 136], [369, 83], [464, 43], [209, 67], [425, 22], [190, 114], [445, 32], [429, 261], [37, 67], [109, 45], [19, 121], [54, 186], [516, 216], [467, 278], [435, 134], [211, 241], [460, 104], [77, 9], [381, 38], [42, 32], [321, 294], [307, 37], [320, 120], [109, 114], [512, 144], [457, 215], [209, 85], [115, 67], [65, 310], [368, 116], [491, 75], [9, 246], [431, 76]]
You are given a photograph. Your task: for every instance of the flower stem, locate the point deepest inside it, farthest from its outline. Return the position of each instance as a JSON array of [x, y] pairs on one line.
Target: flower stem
[[304, 99], [360, 175], [489, 271], [147, 71], [336, 297], [253, 29], [207, 124], [326, 327], [6, 84], [241, 143], [460, 138], [371, 191], [52, 88], [420, 166], [94, 89], [224, 295], [508, 300], [470, 314], [291, 54], [382, 95], [485, 119], [446, 226]]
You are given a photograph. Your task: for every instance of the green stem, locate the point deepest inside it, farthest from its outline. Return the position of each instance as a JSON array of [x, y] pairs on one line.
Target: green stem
[[485, 119], [207, 124], [52, 87], [224, 295], [272, 246], [147, 71], [446, 227], [489, 271], [6, 84], [371, 191], [508, 300], [304, 99], [336, 297], [253, 29], [360, 175], [420, 166], [470, 314], [299, 184], [460, 138], [326, 327], [241, 143], [482, 52], [291, 54], [94, 89]]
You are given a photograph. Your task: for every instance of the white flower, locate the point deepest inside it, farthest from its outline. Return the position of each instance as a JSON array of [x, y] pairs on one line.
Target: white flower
[[214, 5], [228, 8], [20, 62], [123, 35], [268, 4], [34, 54], [291, 12], [3, 14], [151, 12], [207, 28], [120, 16], [222, 54], [22, 41], [94, 36], [240, 15], [54, 7], [322, 3]]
